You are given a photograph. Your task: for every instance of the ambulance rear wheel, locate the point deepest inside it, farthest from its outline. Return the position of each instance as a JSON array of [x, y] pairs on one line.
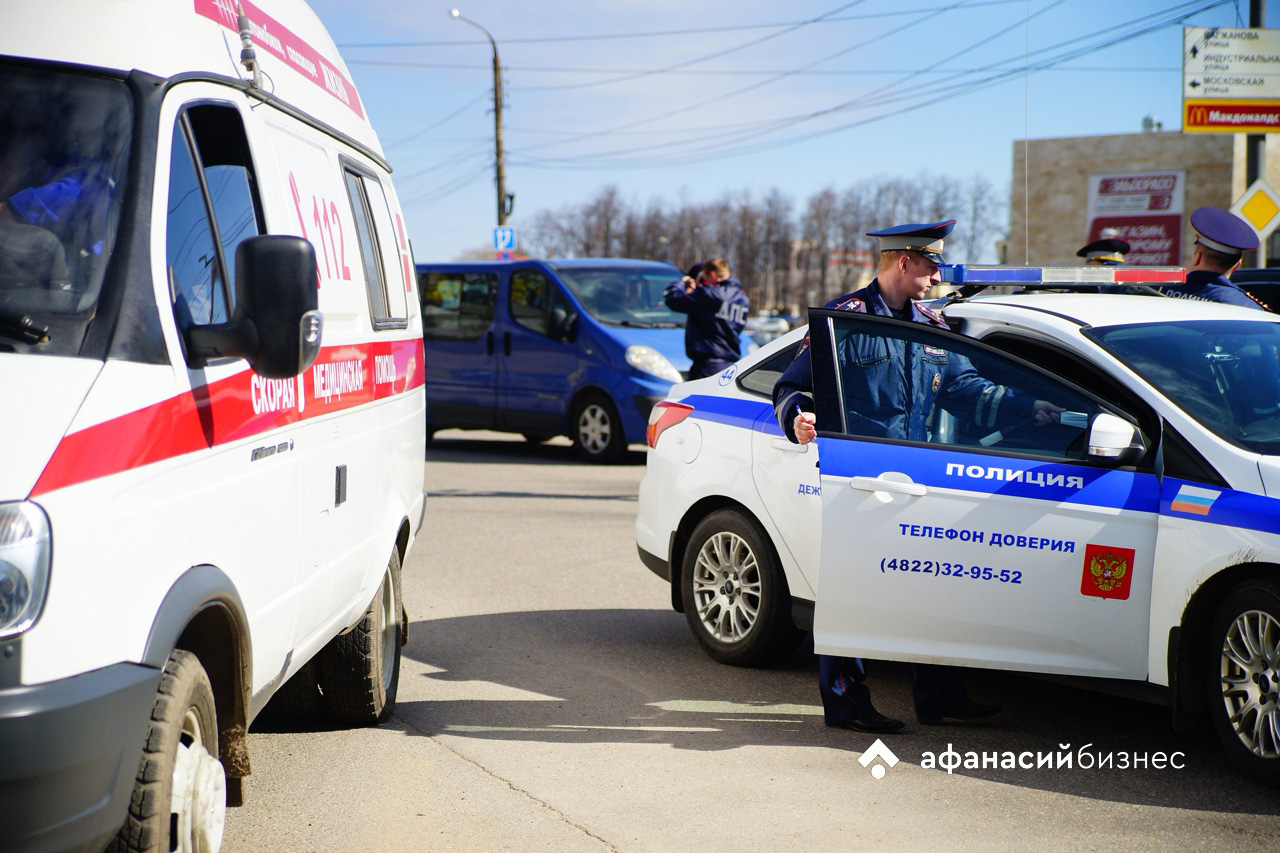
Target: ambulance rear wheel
[[597, 430], [179, 799], [1244, 677], [360, 670], [736, 598]]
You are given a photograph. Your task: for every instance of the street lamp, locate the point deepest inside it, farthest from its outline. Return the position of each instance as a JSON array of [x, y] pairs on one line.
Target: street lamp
[[505, 202]]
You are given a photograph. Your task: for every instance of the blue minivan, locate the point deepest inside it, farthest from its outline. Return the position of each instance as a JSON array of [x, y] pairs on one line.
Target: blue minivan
[[582, 348]]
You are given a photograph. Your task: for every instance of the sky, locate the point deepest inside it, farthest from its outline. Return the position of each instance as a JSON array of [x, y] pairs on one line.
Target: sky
[[676, 102]]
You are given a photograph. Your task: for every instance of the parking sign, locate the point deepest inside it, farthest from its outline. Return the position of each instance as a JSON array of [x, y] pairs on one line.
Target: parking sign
[[504, 239]]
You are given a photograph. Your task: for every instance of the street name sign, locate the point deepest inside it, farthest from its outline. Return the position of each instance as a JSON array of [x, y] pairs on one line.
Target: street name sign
[[1230, 80]]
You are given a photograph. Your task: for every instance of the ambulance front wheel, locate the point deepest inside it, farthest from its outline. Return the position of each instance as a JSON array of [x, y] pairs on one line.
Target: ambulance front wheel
[[596, 430], [735, 595], [179, 799], [360, 670], [1244, 677]]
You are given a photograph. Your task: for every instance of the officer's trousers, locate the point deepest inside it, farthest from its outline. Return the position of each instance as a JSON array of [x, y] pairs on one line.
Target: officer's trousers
[[845, 696]]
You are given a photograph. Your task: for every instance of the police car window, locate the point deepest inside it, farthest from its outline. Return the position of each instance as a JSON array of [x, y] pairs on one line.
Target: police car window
[[761, 378], [457, 306], [531, 293], [908, 382], [1223, 373]]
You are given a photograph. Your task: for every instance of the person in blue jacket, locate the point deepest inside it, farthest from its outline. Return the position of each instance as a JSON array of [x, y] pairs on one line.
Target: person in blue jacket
[[888, 407], [1222, 238], [717, 310]]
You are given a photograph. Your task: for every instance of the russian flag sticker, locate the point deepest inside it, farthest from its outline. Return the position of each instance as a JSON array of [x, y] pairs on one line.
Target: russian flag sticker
[[1194, 500]]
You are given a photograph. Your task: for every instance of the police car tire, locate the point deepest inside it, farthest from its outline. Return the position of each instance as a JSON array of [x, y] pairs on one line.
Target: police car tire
[[1253, 606], [180, 750], [360, 670], [593, 417], [772, 635]]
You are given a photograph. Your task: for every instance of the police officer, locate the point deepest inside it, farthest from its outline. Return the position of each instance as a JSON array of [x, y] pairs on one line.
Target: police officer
[[1108, 250], [909, 258], [717, 310], [1222, 238]]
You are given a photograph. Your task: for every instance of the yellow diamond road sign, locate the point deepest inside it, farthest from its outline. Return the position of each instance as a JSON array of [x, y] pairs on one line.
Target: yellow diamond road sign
[[1260, 207]]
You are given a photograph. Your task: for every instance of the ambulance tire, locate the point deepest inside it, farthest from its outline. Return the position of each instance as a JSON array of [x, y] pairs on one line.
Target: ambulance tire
[[360, 670], [180, 755], [596, 430], [736, 598], [1244, 677], [297, 702]]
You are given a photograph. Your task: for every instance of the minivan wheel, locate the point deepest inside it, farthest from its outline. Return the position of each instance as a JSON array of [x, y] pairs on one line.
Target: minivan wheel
[[597, 430], [179, 799], [736, 598], [1244, 677], [360, 670]]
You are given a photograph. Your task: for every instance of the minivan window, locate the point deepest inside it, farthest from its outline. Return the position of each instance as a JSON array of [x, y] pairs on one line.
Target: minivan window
[[457, 306], [624, 295], [64, 155], [533, 297]]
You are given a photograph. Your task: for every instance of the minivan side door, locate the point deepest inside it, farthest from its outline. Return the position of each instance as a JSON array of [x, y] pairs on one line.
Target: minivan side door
[[538, 366], [461, 350]]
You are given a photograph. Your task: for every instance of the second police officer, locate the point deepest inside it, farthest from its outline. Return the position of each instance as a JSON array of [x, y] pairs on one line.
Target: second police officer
[[904, 395], [1222, 238]]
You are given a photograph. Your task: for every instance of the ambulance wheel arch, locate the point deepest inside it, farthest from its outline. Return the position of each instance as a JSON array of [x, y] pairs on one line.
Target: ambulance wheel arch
[[1242, 678]]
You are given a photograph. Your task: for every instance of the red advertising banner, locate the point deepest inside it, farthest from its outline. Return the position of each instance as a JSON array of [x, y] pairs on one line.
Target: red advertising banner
[[1143, 209]]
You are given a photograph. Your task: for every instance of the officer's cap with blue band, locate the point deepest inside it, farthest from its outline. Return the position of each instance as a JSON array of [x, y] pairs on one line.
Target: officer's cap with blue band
[[924, 239], [1109, 249], [1223, 231]]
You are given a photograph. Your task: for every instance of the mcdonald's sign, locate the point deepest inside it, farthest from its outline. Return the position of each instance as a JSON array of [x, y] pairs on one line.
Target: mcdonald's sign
[[1230, 116]]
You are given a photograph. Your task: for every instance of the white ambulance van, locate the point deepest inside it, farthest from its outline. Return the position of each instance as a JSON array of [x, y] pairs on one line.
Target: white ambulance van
[[213, 408]]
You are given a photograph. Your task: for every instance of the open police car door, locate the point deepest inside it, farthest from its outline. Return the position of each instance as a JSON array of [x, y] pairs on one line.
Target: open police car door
[[957, 526]]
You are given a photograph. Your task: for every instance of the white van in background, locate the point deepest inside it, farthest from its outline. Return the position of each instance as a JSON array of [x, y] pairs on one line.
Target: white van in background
[[212, 385]]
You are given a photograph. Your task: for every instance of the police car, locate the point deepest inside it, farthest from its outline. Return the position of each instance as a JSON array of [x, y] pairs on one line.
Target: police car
[[1136, 537]]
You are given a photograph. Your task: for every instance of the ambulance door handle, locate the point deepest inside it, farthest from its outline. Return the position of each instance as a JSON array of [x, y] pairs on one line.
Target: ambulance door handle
[[790, 446], [506, 343], [876, 484], [488, 343]]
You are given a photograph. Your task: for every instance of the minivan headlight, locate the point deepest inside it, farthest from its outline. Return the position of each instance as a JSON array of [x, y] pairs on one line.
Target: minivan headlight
[[24, 565], [649, 360]]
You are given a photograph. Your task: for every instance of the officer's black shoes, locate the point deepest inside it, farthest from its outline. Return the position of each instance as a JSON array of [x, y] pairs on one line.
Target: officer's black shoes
[[873, 722], [966, 711]]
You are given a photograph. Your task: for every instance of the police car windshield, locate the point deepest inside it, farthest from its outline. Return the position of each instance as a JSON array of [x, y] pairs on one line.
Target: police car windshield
[[624, 295], [64, 147], [1224, 373]]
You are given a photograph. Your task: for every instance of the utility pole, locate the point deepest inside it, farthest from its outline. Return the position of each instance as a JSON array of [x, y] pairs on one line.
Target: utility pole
[[505, 201]]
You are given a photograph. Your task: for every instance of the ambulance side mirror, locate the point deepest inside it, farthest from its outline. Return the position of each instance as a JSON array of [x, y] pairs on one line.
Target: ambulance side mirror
[[276, 326], [1114, 440]]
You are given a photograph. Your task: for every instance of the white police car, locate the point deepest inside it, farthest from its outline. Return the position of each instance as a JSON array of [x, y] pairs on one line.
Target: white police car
[[1138, 538]]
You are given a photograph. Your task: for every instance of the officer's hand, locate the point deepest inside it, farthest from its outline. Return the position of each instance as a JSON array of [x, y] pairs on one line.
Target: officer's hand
[[1046, 412], [689, 284], [804, 427]]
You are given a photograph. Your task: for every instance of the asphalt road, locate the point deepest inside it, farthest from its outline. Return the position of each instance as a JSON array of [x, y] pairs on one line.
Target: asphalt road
[[550, 699]]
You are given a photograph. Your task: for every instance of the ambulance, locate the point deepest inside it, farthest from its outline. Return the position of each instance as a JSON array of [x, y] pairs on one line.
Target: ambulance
[[212, 386]]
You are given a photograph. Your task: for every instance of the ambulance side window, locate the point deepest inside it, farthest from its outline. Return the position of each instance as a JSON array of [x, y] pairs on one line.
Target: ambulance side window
[[213, 206], [368, 208]]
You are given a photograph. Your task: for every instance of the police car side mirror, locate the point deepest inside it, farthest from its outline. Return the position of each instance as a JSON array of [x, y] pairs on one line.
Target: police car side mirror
[[1114, 440], [276, 326]]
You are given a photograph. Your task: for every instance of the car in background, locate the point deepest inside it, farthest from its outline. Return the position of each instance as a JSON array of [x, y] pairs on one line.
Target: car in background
[[1135, 539], [582, 348], [763, 327]]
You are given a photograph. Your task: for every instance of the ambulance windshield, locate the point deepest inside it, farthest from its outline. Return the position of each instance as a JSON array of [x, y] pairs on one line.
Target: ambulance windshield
[[1224, 373], [64, 145]]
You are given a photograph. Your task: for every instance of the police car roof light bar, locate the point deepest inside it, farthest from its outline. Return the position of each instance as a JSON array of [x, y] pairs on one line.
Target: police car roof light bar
[[970, 274]]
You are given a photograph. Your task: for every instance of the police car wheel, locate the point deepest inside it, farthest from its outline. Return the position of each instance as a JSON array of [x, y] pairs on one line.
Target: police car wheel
[[735, 595], [1244, 677], [179, 799], [360, 670], [597, 430]]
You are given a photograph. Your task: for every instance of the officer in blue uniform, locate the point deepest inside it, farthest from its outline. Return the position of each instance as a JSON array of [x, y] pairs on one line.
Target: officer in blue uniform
[[889, 407], [1222, 238], [717, 310]]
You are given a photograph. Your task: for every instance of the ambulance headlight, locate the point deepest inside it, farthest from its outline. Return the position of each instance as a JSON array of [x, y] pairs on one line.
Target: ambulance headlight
[[24, 566], [649, 360]]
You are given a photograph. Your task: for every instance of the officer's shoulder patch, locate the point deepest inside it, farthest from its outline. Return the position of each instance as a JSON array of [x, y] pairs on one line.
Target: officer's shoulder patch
[[936, 352], [931, 314], [851, 304]]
